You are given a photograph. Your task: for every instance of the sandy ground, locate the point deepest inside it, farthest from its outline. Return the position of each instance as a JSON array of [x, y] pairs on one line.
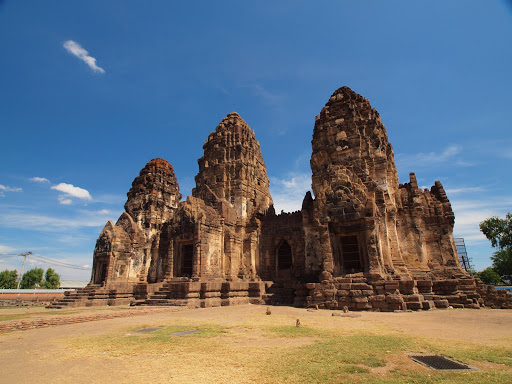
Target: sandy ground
[[44, 355]]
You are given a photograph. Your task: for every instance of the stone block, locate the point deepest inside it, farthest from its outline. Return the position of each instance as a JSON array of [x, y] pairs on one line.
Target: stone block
[[441, 303], [412, 298], [379, 304], [362, 286], [360, 299], [415, 306], [394, 299]]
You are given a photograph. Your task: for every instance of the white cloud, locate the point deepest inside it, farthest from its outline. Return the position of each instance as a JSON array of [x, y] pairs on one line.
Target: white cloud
[[470, 213], [76, 49], [72, 191], [288, 193], [9, 189], [39, 179], [6, 249], [64, 200]]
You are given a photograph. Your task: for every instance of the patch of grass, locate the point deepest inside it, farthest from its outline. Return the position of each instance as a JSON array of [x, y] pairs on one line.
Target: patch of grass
[[337, 358], [293, 331], [22, 316], [57, 312], [158, 342], [467, 352]]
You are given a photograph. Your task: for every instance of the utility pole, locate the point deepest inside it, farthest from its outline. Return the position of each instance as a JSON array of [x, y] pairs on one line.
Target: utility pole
[[22, 265]]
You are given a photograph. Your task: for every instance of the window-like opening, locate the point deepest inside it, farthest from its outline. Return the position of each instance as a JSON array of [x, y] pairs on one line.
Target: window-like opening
[[350, 254], [284, 256], [188, 258]]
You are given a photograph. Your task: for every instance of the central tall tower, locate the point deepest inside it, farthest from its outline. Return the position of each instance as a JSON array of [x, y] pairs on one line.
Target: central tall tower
[[233, 169]]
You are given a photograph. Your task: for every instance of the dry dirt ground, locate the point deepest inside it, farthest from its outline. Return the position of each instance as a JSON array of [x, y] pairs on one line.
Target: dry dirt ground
[[81, 353]]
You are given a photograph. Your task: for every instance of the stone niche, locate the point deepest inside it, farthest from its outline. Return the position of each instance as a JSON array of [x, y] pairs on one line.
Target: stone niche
[[363, 241]]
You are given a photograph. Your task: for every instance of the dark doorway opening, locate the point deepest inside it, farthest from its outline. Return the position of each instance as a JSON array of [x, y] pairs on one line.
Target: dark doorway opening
[[188, 259], [284, 256], [101, 273], [351, 259]]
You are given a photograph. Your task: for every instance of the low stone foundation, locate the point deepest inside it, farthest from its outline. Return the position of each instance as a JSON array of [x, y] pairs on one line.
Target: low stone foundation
[[356, 292], [359, 293]]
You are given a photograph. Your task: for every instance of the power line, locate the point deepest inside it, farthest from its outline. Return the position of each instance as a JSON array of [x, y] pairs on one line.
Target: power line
[[58, 262], [47, 260]]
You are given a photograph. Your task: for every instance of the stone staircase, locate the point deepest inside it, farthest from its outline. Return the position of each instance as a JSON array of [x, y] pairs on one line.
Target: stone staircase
[[93, 295], [197, 294]]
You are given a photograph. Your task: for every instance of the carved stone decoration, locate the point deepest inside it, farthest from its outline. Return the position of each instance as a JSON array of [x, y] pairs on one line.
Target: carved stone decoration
[[363, 242]]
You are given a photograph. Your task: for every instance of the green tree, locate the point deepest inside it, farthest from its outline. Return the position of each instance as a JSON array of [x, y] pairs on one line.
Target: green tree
[[499, 232], [51, 279], [8, 279], [32, 278], [489, 276]]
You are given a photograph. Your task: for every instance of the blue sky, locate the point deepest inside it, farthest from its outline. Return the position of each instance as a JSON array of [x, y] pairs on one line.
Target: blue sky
[[91, 91]]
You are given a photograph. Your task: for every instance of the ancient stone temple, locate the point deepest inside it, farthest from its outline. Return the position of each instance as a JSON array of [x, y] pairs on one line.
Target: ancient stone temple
[[363, 241]]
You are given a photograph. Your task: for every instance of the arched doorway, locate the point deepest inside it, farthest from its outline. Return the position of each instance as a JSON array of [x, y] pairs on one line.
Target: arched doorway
[[284, 256]]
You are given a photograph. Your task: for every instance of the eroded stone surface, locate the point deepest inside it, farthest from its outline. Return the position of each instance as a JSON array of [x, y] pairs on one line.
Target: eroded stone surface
[[363, 242]]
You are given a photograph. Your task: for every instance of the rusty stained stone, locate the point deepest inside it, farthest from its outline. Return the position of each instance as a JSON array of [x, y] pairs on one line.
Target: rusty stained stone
[[364, 241]]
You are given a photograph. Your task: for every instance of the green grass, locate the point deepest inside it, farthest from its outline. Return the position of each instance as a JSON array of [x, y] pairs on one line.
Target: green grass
[[340, 359]]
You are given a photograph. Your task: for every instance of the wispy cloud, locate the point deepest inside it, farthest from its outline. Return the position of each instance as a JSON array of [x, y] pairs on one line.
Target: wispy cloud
[[76, 49], [10, 189], [288, 193], [116, 199], [65, 200], [448, 155], [71, 191], [44, 223], [452, 191], [269, 97], [5, 188], [39, 179], [6, 249], [469, 213]]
